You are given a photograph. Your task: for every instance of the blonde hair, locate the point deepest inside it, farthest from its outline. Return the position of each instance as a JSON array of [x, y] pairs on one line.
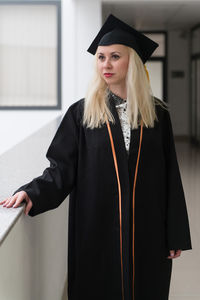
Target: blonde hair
[[140, 99]]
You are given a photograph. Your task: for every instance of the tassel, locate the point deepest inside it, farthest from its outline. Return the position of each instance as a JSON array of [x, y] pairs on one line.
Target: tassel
[[146, 72]]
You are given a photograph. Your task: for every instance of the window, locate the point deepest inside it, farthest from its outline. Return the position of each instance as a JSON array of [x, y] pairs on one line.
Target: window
[[195, 86], [156, 65], [30, 55]]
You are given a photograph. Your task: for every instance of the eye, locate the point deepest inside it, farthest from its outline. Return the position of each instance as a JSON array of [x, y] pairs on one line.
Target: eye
[[101, 57], [115, 56]]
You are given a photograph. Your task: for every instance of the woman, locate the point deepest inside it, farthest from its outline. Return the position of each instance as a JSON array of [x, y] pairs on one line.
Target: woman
[[114, 154]]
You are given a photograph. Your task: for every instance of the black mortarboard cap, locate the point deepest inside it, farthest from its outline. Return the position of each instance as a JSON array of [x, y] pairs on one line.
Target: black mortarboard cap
[[115, 31]]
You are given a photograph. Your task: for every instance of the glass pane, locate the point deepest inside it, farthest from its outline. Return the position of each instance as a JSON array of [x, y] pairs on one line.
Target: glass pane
[[28, 55], [198, 100], [193, 108], [155, 69], [196, 41], [160, 39]]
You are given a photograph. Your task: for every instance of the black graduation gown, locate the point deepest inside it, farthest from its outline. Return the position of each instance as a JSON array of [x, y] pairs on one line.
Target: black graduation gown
[[82, 165]]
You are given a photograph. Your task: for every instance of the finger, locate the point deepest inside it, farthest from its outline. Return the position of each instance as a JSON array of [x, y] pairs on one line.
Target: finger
[[178, 253], [16, 200], [3, 201], [7, 201], [28, 207], [11, 200], [172, 254], [176, 256], [19, 200]]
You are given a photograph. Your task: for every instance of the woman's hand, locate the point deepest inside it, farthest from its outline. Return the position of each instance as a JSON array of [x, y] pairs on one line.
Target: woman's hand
[[174, 254], [16, 199]]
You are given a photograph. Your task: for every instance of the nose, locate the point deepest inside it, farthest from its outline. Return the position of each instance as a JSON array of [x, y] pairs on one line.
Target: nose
[[107, 63]]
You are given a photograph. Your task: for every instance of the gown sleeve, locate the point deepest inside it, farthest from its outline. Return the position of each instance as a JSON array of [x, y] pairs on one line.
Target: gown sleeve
[[50, 189], [177, 223]]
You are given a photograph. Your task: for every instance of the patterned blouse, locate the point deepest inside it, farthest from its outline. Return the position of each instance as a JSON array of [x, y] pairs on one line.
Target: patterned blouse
[[121, 106]]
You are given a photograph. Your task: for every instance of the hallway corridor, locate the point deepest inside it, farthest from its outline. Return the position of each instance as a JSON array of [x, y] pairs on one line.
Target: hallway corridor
[[185, 284]]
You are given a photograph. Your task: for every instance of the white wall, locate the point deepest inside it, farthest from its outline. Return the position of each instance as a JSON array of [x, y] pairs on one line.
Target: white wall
[[68, 60], [178, 88], [81, 20], [17, 125], [33, 256], [88, 23], [32, 264]]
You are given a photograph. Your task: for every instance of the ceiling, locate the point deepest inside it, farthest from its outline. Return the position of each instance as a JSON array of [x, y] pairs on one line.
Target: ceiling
[[154, 15]]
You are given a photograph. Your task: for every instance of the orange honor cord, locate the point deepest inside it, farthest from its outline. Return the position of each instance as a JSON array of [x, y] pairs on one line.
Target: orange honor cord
[[119, 190], [134, 185], [120, 210]]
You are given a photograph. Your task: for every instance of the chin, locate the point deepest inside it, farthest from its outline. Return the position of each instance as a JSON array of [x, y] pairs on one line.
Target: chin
[[110, 81]]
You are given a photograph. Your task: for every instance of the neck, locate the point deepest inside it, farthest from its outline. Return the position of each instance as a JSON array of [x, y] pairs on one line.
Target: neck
[[119, 91]]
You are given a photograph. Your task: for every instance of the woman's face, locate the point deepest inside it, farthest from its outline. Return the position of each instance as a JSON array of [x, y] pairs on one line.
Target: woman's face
[[112, 63]]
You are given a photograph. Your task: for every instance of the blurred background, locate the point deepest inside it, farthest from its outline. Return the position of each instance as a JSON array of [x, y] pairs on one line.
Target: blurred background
[[44, 65], [44, 68]]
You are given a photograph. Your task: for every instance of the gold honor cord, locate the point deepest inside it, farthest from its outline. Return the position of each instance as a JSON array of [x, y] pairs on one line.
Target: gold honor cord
[[119, 191], [120, 210], [134, 185]]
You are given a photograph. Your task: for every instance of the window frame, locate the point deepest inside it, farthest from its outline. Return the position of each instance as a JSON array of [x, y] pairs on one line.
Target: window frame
[[162, 59], [194, 138], [57, 4]]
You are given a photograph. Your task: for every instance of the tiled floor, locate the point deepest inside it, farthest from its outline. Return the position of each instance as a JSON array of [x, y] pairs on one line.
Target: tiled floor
[[185, 282]]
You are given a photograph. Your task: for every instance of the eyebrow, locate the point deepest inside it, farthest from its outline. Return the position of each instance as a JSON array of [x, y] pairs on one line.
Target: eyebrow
[[110, 53]]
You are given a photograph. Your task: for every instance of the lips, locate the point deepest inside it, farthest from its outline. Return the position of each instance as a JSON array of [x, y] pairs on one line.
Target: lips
[[108, 74]]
